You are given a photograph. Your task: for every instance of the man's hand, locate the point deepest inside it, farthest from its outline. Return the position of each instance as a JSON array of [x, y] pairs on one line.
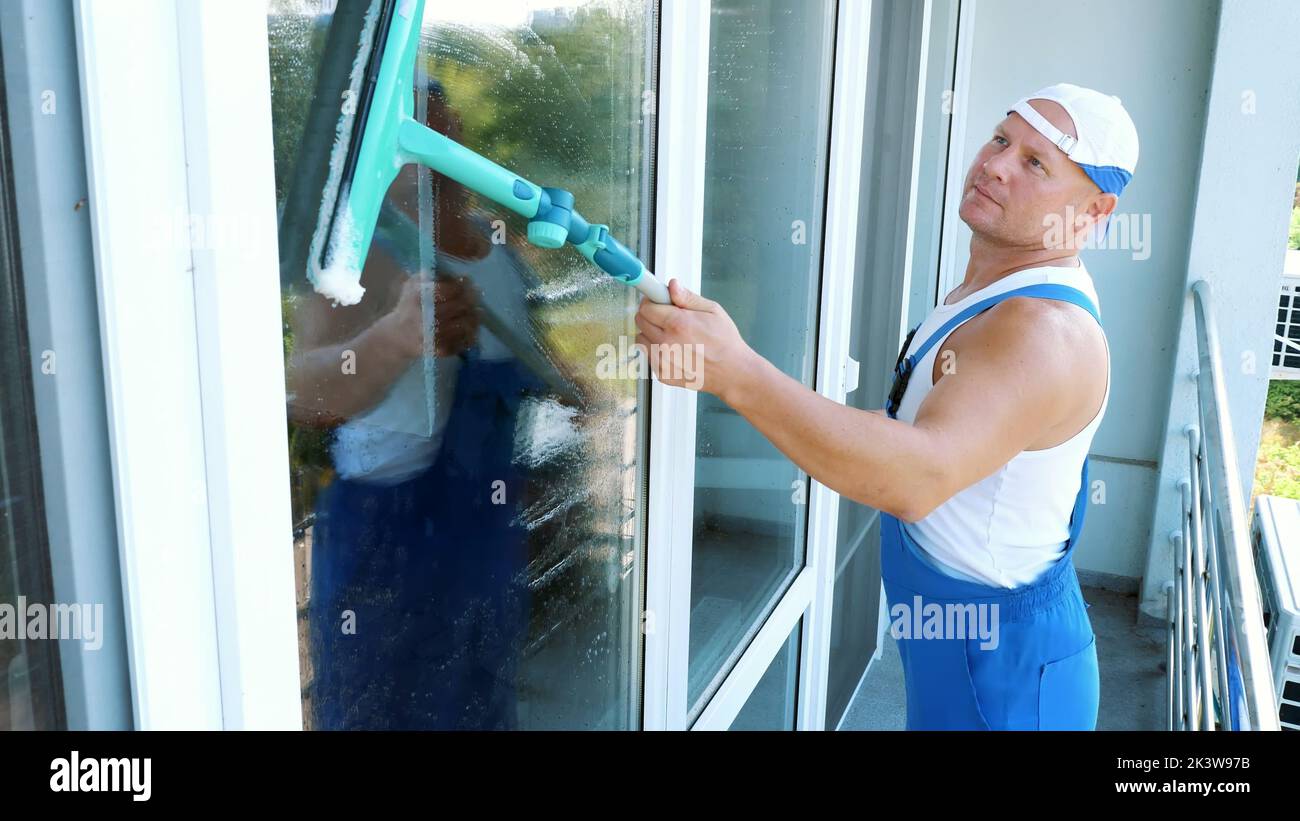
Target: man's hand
[[693, 343], [455, 307]]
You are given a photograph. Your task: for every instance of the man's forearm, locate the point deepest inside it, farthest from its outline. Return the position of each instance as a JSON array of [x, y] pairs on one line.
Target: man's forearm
[[323, 392], [862, 455]]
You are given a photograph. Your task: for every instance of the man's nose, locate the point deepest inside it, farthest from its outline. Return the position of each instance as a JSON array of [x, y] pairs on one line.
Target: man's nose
[[996, 166]]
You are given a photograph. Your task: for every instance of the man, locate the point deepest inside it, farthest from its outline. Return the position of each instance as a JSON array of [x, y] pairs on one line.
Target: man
[[981, 476]]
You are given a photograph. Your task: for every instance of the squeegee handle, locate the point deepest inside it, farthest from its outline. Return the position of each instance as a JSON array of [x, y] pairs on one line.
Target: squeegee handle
[[610, 256], [552, 219], [423, 145], [653, 287]]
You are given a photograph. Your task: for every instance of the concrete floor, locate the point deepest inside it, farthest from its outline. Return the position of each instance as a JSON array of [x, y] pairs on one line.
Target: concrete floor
[[1131, 659]]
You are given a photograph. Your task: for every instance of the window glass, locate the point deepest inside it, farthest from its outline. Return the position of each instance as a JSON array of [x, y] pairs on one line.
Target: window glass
[[31, 693], [772, 704], [764, 201], [467, 470]]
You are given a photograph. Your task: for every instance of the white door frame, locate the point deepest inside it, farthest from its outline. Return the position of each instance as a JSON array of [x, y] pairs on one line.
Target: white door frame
[[47, 145], [843, 214]]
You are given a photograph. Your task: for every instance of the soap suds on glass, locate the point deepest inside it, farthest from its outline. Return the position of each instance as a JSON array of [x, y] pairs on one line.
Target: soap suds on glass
[[341, 281]]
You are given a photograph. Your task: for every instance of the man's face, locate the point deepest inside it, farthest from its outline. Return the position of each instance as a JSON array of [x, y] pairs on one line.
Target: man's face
[[1020, 183]]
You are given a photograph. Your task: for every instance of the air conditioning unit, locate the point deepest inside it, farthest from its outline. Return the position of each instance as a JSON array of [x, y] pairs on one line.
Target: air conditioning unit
[[1286, 335], [1275, 536]]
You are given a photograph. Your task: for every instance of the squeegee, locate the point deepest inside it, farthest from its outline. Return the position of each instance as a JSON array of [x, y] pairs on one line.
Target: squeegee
[[382, 136]]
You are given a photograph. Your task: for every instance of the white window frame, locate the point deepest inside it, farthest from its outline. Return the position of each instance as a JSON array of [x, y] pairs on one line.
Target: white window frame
[[950, 277], [843, 211], [176, 105], [684, 57], [679, 242]]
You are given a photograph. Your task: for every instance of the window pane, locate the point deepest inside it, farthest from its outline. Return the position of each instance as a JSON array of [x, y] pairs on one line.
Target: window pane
[[468, 501], [895, 58], [854, 616], [31, 693], [771, 706], [768, 130]]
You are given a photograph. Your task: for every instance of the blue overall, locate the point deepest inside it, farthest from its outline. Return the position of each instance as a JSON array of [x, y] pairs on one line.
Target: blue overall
[[432, 572], [1040, 673]]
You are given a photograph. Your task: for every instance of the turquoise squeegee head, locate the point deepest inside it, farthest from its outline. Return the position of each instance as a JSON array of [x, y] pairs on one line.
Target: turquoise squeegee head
[[383, 135]]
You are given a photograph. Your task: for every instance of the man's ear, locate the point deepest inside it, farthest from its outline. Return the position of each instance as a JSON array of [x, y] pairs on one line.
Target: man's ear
[[1095, 210], [1102, 205]]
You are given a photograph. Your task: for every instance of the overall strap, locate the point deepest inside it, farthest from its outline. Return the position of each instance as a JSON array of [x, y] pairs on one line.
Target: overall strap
[[903, 368], [1047, 290]]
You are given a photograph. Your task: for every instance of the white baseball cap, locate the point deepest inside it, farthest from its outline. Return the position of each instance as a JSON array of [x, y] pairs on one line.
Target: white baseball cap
[[1107, 144]]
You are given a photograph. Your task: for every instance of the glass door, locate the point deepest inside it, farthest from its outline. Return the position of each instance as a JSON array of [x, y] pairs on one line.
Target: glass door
[[760, 142], [492, 528], [766, 157]]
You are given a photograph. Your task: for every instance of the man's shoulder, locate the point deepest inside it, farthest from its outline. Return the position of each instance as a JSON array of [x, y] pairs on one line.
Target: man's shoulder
[[1047, 341], [1028, 321]]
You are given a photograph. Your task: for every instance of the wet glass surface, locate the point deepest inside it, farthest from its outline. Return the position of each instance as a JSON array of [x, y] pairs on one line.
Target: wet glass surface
[[467, 471]]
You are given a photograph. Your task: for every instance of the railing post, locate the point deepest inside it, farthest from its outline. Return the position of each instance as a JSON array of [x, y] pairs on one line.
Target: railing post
[[1180, 642], [1214, 572], [1191, 696], [1171, 637], [1196, 550]]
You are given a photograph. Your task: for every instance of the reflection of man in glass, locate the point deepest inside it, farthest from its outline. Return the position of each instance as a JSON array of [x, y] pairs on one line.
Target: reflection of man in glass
[[417, 605]]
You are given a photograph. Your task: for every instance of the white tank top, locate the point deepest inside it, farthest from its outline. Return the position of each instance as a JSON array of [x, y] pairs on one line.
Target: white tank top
[[1008, 528], [400, 436]]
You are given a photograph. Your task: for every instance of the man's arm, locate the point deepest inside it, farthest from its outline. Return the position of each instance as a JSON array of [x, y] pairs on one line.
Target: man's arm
[[862, 455], [1008, 388], [322, 393]]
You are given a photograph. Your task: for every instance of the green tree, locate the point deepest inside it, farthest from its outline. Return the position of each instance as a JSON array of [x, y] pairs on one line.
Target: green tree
[[1283, 402]]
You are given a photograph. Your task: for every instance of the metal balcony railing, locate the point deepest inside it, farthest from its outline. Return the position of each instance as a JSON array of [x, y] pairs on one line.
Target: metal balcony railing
[[1218, 665]]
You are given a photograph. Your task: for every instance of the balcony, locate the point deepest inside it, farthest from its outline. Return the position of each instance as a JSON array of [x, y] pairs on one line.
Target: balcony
[[1207, 666]]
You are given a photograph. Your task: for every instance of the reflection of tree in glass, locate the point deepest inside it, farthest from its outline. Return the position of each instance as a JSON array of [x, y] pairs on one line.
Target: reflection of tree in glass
[[295, 47], [552, 104], [296, 37], [561, 104]]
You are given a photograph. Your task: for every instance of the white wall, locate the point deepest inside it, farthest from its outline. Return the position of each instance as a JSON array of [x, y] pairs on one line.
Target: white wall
[[1242, 208]]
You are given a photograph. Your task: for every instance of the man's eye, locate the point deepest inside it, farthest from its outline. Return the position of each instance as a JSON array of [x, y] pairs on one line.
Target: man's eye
[[1035, 161], [996, 138]]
